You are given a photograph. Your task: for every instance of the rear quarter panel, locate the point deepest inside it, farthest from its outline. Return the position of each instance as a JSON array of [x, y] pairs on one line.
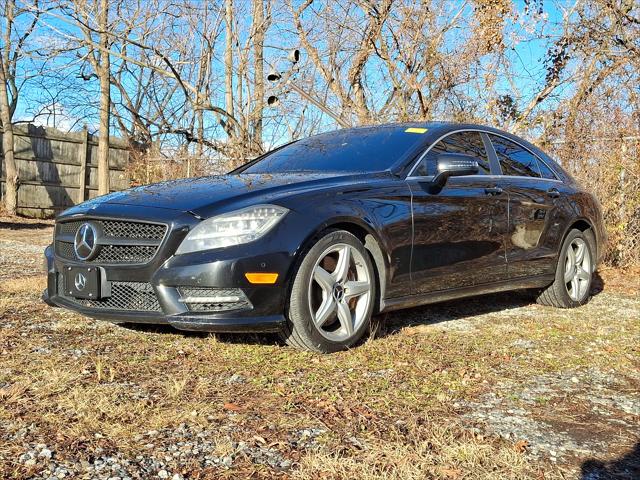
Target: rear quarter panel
[[586, 206]]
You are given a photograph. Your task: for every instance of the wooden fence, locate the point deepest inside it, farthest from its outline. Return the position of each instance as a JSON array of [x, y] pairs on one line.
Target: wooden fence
[[57, 170]]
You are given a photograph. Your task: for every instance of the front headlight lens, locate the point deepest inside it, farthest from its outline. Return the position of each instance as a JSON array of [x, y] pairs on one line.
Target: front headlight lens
[[233, 228]]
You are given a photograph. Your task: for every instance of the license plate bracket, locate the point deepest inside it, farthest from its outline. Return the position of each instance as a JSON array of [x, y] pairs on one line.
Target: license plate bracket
[[82, 282]]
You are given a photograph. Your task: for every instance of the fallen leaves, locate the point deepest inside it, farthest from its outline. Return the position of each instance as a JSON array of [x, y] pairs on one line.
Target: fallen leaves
[[452, 473], [232, 406], [521, 446]]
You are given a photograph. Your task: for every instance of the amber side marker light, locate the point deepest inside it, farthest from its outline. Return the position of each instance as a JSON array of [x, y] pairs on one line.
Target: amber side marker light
[[262, 278]]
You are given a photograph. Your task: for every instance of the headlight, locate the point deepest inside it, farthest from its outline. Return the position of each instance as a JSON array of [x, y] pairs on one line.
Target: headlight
[[233, 228]]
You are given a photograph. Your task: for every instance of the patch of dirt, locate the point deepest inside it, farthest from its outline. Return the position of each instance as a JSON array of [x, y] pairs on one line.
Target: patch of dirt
[[621, 280], [573, 413], [22, 244]]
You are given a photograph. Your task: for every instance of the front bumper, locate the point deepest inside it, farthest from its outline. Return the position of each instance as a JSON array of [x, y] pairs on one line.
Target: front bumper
[[228, 323], [166, 275]]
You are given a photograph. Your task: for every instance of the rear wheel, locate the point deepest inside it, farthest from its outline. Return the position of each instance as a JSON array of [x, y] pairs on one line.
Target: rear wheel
[[332, 296], [574, 272]]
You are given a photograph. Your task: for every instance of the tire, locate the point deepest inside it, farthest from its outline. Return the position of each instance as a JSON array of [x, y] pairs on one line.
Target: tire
[[331, 300], [574, 272]]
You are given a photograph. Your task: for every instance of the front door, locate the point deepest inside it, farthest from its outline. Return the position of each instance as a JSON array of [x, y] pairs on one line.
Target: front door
[[458, 232]]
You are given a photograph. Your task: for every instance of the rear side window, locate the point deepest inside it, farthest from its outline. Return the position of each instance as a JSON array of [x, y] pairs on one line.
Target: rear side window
[[515, 160], [469, 143], [546, 171]]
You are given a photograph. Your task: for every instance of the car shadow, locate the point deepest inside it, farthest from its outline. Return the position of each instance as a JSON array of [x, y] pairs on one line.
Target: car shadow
[[230, 338], [464, 308], [626, 467], [453, 310], [597, 284], [24, 226], [394, 322]]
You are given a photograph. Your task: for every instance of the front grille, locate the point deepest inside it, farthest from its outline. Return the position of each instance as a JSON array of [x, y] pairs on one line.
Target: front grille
[[122, 242], [195, 294], [119, 228], [125, 296], [114, 228]]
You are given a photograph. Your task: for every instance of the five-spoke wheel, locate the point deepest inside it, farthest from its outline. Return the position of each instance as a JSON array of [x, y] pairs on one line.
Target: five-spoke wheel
[[333, 294], [574, 272], [339, 292], [577, 269]]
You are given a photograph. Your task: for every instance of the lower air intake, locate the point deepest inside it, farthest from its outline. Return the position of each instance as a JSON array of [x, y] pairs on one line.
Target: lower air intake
[[125, 296]]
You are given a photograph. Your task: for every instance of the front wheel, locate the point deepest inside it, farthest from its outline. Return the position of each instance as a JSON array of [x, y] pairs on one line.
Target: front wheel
[[332, 296], [574, 272]]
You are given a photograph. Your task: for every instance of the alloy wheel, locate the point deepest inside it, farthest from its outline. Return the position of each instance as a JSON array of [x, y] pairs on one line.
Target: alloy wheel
[[339, 292], [577, 269]]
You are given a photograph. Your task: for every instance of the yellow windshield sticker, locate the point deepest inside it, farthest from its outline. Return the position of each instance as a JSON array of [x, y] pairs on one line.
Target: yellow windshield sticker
[[416, 130]]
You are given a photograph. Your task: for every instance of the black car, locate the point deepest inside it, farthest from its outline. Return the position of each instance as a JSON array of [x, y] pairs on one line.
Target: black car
[[314, 238]]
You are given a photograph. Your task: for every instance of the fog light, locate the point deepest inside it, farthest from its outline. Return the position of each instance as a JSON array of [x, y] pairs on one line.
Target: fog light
[[211, 299], [262, 278]]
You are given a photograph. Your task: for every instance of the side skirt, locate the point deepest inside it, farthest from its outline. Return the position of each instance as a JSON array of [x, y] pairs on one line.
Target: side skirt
[[409, 301]]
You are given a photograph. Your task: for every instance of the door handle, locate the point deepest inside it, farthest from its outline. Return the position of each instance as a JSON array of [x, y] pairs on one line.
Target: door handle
[[553, 192], [493, 190]]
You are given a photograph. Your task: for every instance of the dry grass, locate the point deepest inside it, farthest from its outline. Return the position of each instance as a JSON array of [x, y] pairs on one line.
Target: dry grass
[[392, 408], [439, 451]]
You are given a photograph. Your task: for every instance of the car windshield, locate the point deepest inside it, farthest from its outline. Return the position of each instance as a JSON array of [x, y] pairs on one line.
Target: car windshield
[[353, 150]]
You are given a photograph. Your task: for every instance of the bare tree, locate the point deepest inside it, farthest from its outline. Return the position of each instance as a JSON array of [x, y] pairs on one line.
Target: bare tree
[[260, 25], [228, 56], [342, 66], [6, 114], [103, 69], [183, 93], [12, 51], [93, 18]]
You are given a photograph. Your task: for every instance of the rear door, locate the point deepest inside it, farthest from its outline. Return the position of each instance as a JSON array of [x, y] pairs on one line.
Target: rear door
[[457, 231], [534, 193]]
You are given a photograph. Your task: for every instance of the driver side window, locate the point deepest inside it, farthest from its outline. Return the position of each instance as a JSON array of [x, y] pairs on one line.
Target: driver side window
[[468, 143]]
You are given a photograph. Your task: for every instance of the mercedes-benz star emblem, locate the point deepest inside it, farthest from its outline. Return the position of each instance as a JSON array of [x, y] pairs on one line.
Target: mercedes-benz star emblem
[[80, 282], [85, 243]]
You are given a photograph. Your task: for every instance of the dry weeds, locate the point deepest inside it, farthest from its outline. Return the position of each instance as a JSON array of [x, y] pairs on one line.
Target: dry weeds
[[401, 406]]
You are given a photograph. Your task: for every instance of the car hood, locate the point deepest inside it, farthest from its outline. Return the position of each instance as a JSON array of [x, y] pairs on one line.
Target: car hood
[[197, 195]]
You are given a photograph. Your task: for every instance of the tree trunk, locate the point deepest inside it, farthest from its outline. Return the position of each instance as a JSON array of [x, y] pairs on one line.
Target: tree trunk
[[228, 57], [200, 133], [258, 79], [11, 182], [105, 102]]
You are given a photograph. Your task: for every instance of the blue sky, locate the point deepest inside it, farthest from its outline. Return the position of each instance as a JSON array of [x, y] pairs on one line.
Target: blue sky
[[527, 59]]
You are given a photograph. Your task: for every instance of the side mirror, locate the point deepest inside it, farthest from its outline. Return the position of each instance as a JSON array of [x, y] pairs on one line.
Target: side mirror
[[454, 165]]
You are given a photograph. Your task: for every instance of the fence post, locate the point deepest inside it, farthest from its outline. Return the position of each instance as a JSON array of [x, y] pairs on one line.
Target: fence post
[[84, 153]]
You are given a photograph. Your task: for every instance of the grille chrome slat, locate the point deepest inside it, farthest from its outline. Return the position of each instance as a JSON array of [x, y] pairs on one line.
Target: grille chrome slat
[[122, 241], [119, 228], [128, 241]]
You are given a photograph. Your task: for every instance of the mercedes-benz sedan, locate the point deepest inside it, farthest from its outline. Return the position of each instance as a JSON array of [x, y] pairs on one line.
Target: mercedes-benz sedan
[[314, 238]]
